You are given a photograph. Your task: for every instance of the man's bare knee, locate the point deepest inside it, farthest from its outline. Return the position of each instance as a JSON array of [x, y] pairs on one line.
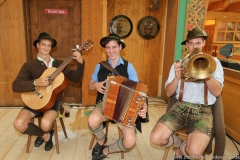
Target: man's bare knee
[[19, 125], [95, 119], [46, 125], [194, 151], [155, 138], [129, 141], [158, 139], [196, 143], [160, 134]]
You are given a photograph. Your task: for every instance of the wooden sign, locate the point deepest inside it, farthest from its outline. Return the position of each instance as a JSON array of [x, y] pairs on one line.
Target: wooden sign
[[56, 11]]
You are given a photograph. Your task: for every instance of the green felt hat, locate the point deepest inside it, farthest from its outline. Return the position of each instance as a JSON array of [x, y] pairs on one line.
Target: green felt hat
[[195, 33]]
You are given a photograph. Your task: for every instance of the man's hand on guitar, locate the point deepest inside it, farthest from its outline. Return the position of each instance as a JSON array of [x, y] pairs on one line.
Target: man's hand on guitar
[[42, 82], [143, 111], [78, 56], [100, 86]]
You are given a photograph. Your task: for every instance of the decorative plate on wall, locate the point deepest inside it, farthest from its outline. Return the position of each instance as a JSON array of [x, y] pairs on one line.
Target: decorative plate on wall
[[148, 27], [121, 25]]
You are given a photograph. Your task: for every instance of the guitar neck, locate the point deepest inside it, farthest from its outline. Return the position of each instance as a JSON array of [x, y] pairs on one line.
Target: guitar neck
[[86, 45], [60, 68]]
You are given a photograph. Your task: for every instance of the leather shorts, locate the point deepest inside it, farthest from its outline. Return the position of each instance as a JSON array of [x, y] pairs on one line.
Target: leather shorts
[[196, 117]]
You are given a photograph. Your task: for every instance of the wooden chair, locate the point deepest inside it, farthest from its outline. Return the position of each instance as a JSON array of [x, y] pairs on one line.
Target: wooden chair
[[39, 117], [107, 125]]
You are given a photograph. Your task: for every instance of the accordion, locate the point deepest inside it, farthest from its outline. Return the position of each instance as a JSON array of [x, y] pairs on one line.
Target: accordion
[[123, 99]]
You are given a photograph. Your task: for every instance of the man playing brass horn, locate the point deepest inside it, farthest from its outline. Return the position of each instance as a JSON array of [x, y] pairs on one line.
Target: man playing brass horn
[[193, 106]]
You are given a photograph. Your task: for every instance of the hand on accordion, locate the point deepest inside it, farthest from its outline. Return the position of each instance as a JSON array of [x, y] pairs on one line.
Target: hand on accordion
[[100, 87], [143, 111]]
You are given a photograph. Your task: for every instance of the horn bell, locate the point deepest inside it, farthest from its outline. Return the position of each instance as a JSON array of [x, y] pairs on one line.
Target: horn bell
[[201, 66]]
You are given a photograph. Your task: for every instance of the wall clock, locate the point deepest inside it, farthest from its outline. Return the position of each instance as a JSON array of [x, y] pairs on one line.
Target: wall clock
[[121, 25], [148, 27]]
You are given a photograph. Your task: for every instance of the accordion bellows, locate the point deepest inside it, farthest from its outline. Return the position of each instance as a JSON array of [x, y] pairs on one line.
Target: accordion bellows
[[123, 99]]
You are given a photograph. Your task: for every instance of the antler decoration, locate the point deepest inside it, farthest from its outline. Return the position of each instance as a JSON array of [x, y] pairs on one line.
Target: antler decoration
[[155, 5]]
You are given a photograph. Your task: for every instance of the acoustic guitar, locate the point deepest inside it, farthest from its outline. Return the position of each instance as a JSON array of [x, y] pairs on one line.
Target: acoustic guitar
[[43, 98]]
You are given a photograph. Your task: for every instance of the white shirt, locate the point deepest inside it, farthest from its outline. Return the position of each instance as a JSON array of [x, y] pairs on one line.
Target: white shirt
[[194, 91], [49, 65]]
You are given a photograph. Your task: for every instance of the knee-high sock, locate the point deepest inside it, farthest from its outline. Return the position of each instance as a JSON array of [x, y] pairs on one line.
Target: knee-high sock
[[33, 129], [117, 146], [173, 141], [183, 148], [98, 132]]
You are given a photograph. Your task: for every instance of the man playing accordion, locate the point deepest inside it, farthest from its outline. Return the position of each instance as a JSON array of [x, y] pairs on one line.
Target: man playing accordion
[[113, 44]]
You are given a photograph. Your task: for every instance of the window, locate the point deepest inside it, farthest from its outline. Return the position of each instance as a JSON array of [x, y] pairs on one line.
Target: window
[[227, 32], [209, 48]]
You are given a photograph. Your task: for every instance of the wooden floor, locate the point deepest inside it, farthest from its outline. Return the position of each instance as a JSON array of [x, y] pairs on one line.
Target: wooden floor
[[13, 144]]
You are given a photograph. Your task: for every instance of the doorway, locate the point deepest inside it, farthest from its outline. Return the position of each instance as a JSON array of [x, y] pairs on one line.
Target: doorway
[[62, 20]]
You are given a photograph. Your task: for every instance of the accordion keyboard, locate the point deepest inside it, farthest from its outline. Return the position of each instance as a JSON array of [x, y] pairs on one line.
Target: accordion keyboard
[[123, 99]]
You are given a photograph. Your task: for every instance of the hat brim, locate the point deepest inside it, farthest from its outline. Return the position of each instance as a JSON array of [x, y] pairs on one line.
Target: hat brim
[[54, 42], [184, 42], [103, 41]]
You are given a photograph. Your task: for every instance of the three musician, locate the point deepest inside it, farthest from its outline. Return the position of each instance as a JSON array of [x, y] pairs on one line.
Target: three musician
[[29, 77], [189, 110], [113, 45]]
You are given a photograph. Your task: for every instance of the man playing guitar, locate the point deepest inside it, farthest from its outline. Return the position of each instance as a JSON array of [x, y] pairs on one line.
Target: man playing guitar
[[29, 77]]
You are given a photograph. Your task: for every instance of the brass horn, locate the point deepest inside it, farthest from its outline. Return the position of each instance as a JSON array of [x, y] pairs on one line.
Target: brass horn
[[197, 65]]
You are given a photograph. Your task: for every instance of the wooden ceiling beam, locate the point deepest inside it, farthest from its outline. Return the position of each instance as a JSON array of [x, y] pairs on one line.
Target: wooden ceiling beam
[[222, 15], [218, 5], [233, 7]]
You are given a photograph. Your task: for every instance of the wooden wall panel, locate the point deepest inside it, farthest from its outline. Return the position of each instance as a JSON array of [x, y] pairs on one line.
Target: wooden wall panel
[[2, 79], [12, 49], [169, 50], [231, 101], [92, 28]]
